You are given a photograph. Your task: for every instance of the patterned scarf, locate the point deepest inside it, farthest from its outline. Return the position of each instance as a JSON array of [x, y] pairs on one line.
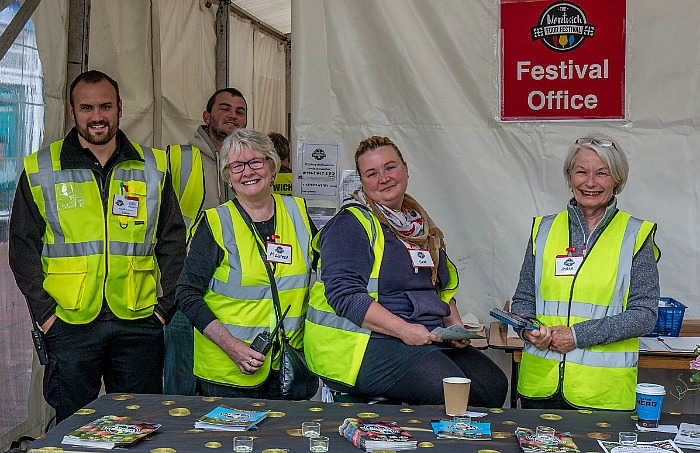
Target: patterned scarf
[[411, 225]]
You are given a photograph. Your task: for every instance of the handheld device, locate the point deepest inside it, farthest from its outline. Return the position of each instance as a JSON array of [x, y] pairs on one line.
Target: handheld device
[[38, 338], [263, 341], [513, 319]]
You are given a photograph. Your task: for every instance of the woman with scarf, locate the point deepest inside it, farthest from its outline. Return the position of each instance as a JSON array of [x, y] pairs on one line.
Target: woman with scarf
[[384, 283]]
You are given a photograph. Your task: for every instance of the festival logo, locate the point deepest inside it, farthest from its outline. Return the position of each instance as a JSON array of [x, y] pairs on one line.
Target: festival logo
[[562, 27], [318, 154]]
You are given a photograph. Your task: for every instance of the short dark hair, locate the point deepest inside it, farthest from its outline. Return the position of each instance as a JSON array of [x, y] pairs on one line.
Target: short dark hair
[[232, 91], [92, 76], [281, 144]]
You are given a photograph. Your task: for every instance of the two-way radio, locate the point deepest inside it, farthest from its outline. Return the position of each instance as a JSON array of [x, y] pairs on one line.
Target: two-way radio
[[263, 341], [38, 338]]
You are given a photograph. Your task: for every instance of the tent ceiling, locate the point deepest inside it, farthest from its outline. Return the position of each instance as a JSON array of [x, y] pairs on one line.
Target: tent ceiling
[[275, 13]]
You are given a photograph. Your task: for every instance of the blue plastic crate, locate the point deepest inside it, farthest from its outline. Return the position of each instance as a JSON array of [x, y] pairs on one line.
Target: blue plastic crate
[[668, 324]]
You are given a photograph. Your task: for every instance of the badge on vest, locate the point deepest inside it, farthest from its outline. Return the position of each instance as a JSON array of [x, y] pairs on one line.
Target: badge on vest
[[421, 258], [279, 253], [125, 205], [568, 264]]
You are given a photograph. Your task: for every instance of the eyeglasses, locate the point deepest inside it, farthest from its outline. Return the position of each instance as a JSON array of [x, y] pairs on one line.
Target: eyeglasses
[[254, 164], [596, 141]]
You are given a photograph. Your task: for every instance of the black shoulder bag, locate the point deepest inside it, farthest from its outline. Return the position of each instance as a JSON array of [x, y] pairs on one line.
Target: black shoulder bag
[[296, 381]]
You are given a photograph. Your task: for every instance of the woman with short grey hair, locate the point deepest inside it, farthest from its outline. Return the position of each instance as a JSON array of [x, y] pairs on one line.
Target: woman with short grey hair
[[225, 287], [590, 282]]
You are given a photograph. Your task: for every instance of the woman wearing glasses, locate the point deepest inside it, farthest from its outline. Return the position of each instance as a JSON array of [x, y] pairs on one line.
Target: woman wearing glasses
[[590, 278], [225, 289], [384, 284]]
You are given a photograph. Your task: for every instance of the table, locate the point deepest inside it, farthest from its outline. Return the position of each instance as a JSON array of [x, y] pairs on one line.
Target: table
[[176, 434], [498, 339]]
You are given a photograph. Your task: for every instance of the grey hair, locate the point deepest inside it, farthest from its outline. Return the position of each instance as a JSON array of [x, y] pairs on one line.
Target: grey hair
[[613, 157], [256, 141]]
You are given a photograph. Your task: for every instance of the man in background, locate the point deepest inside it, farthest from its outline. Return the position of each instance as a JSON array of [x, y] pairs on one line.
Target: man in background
[[93, 219], [198, 185]]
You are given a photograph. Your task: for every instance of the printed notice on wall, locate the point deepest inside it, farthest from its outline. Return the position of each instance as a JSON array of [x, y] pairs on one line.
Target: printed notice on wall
[[561, 60], [319, 168]]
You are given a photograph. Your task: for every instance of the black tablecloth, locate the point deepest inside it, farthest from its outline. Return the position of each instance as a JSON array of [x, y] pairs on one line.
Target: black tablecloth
[[283, 431]]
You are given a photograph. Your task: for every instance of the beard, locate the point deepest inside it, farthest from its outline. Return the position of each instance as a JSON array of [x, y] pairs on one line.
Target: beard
[[101, 139]]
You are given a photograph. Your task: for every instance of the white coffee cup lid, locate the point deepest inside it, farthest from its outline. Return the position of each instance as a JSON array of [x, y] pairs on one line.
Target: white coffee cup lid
[[456, 380], [650, 389]]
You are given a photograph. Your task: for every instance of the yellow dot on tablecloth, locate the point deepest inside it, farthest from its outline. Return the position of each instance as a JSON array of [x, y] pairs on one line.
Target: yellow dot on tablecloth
[[163, 450], [347, 404], [599, 436], [425, 445], [585, 411], [209, 399], [551, 416], [168, 403], [50, 450], [405, 409], [489, 451], [603, 424], [368, 415], [213, 445], [195, 430], [509, 422], [257, 404], [496, 410], [179, 412], [674, 413], [122, 397], [133, 406], [315, 409], [85, 411], [634, 417], [501, 435], [294, 432], [276, 414], [276, 450], [414, 421]]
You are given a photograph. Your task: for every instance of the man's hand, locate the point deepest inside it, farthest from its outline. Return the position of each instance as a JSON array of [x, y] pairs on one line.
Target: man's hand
[[49, 322]]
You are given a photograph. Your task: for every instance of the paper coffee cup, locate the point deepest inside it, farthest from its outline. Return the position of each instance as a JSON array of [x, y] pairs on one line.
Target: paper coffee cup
[[456, 395], [649, 400]]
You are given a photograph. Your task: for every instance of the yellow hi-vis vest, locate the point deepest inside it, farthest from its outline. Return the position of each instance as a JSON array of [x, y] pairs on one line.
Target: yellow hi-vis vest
[[86, 257], [602, 376], [334, 347], [187, 175], [239, 292], [282, 184]]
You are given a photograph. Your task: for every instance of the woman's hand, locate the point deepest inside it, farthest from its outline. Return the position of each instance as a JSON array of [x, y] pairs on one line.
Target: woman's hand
[[540, 339], [417, 335], [247, 360], [562, 339], [460, 343]]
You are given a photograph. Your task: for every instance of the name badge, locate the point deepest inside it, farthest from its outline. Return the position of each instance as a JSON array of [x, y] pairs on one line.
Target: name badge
[[421, 258], [126, 206], [279, 253], [568, 265]]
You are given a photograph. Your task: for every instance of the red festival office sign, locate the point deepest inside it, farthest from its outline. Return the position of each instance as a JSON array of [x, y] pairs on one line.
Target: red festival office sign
[[562, 60]]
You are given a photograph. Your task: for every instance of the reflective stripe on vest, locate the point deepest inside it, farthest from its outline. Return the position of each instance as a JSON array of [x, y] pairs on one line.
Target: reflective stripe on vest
[[188, 181], [603, 277], [328, 336], [77, 274], [239, 291]]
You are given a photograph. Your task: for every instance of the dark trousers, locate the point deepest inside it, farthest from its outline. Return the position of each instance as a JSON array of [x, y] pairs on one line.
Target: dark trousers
[[128, 355], [269, 390], [179, 357]]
